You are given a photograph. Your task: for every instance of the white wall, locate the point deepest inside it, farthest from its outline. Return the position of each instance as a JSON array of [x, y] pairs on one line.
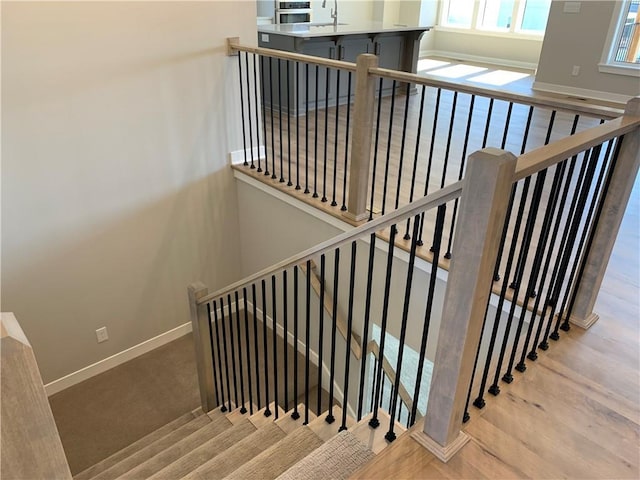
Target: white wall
[[115, 188], [579, 39]]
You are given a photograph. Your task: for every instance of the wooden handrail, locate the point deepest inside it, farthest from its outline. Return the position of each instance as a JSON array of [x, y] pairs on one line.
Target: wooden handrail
[[423, 204], [548, 155], [564, 104], [297, 57]]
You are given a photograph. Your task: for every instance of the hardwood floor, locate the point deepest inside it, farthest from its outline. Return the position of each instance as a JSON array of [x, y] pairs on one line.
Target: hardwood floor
[[575, 412]]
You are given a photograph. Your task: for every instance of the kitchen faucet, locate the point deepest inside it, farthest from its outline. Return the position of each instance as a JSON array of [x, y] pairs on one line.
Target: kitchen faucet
[[334, 13]]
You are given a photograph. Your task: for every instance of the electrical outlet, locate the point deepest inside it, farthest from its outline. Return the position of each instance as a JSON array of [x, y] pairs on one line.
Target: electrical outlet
[[575, 71], [102, 334], [571, 7]]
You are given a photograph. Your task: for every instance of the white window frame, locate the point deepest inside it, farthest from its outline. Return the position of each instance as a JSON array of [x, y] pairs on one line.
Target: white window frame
[[607, 63], [477, 28]]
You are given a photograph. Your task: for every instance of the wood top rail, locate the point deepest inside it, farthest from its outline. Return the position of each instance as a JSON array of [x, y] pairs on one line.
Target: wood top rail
[[548, 155], [298, 57], [568, 105], [429, 202]]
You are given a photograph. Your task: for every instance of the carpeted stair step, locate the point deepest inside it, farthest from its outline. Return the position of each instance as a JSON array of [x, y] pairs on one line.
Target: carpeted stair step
[[338, 458], [279, 457], [237, 455], [129, 450], [206, 451], [219, 424], [153, 448]]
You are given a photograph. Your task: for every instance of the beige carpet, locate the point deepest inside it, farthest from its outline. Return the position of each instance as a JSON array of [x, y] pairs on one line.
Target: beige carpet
[[110, 411], [337, 459], [236, 456], [280, 457]]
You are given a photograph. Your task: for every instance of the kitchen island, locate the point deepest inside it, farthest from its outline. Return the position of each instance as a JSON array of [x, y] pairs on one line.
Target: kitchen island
[[397, 48]]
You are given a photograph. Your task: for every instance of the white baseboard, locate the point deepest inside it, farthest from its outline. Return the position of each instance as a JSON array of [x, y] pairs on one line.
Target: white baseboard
[[117, 359], [581, 93], [237, 157]]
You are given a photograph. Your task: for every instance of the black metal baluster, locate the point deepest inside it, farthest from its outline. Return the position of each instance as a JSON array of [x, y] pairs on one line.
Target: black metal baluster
[[279, 132], [415, 158], [388, 158], [487, 124], [463, 159], [326, 135], [273, 141], [347, 359], [346, 146], [247, 345], [265, 352], [226, 355], [243, 409], [375, 369], [255, 100], [295, 415], [213, 359], [233, 350], [402, 142], [306, 133], [334, 315], [215, 321], [335, 140], [367, 315], [264, 119], [289, 182], [496, 271], [255, 343], [285, 340], [375, 151], [246, 62], [448, 147], [430, 160], [374, 422], [244, 135], [507, 123], [321, 330], [297, 82], [433, 278], [390, 436], [315, 144], [466, 417], [307, 340], [274, 332]]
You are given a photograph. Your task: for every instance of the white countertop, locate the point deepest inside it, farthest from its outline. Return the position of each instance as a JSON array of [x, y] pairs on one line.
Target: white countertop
[[310, 30]]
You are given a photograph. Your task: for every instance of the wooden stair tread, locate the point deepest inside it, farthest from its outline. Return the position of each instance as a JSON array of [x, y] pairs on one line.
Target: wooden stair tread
[[219, 424], [237, 455], [338, 458], [326, 430], [279, 457], [206, 451], [288, 424], [134, 447], [259, 420], [373, 438], [139, 456]]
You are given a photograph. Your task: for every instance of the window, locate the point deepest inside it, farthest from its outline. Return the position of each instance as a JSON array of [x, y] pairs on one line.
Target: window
[[622, 52], [505, 16]]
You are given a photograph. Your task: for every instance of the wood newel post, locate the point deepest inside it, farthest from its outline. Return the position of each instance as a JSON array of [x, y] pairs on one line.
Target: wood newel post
[[361, 147], [201, 324], [606, 231], [483, 207]]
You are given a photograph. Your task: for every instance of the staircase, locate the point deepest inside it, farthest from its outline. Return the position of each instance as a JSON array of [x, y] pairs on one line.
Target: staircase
[[219, 444]]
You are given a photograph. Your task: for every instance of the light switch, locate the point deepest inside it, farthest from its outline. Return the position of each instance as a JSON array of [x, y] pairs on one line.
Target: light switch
[[265, 37]]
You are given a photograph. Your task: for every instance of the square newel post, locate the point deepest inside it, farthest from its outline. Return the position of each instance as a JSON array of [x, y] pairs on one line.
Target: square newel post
[[201, 325], [606, 231], [361, 138], [483, 208]]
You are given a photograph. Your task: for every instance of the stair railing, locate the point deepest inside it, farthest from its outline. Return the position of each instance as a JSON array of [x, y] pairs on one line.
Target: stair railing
[[570, 237]]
